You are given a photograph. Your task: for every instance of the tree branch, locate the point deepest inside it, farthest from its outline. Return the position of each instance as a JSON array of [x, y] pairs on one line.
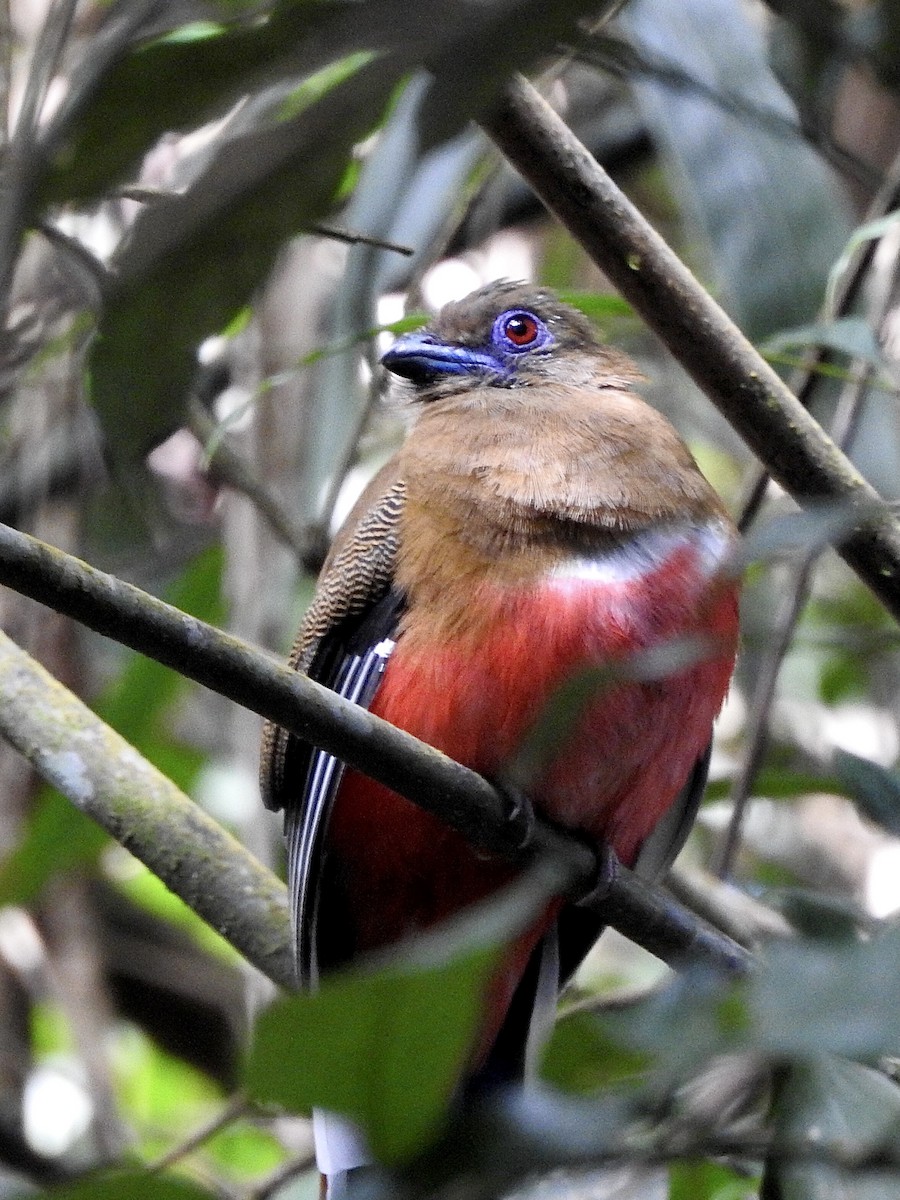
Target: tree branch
[[793, 446], [458, 796], [107, 779]]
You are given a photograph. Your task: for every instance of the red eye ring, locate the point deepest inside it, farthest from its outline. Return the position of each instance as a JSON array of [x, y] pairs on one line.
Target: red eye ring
[[522, 329]]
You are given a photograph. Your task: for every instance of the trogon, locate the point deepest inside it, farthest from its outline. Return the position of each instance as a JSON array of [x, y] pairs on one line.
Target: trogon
[[539, 518]]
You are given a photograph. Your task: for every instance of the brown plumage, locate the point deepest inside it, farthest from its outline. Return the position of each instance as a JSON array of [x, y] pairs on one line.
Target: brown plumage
[[357, 571]]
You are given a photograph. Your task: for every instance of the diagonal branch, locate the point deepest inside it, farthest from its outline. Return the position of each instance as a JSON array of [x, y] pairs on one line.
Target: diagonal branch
[[234, 669], [795, 449], [106, 778]]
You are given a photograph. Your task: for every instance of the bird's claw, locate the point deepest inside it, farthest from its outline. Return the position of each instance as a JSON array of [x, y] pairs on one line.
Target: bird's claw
[[599, 886], [519, 820]]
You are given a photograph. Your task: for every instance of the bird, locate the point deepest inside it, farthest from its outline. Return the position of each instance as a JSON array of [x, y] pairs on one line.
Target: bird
[[539, 518]]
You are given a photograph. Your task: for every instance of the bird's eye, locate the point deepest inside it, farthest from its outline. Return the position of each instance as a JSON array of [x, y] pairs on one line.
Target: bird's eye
[[520, 330]]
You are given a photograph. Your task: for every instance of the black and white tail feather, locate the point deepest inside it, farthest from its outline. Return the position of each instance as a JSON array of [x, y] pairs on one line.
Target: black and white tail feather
[[306, 823]]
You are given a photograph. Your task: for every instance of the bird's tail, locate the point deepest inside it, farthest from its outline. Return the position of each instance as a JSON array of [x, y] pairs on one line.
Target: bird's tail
[[340, 1148]]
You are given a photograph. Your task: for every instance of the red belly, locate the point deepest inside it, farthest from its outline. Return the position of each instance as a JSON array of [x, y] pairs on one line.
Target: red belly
[[614, 775]]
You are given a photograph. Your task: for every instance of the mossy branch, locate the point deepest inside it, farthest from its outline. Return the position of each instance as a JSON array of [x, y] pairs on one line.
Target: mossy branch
[[106, 778]]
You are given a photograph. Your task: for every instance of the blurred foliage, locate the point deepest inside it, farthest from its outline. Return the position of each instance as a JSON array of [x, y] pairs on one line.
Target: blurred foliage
[[725, 123], [193, 145], [136, 1184], [402, 1071], [139, 704], [707, 1181]]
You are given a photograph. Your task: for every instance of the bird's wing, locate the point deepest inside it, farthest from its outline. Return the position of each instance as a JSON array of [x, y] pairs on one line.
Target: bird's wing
[[579, 928], [343, 643], [560, 953], [358, 571], [664, 844]]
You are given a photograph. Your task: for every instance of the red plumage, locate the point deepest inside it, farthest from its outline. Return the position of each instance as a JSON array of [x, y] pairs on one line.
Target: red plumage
[[616, 774]]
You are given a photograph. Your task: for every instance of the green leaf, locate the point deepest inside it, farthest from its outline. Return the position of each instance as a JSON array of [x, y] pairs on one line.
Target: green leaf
[[246, 1152], [385, 1049], [388, 1047], [777, 783], [708, 1181], [161, 1096], [852, 336], [666, 1036], [201, 70], [404, 325], [768, 207], [811, 998], [172, 83], [868, 232], [844, 677], [582, 1057], [59, 837], [145, 689], [805, 998], [598, 306], [875, 790], [819, 916], [193, 261], [842, 1107], [474, 59], [134, 1183], [799, 533]]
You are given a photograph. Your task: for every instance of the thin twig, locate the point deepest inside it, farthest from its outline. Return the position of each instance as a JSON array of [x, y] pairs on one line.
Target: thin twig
[[844, 425], [89, 266], [360, 239], [757, 728], [44, 63], [778, 643], [236, 1106], [736, 913], [458, 796], [228, 467], [282, 1175], [712, 349], [845, 294]]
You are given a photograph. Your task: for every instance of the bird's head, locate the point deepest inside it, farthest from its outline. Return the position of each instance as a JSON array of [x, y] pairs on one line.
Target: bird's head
[[504, 335]]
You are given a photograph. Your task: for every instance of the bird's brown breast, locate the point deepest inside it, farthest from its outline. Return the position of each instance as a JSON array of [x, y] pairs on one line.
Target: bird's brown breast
[[507, 484]]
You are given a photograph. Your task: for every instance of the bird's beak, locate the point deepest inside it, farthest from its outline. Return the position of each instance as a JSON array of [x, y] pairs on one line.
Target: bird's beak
[[421, 358]]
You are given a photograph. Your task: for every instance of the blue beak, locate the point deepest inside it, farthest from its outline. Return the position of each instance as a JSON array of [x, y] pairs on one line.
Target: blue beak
[[421, 358]]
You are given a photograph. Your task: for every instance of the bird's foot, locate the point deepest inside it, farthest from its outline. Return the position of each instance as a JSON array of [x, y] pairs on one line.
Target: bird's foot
[[598, 887], [519, 821]]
